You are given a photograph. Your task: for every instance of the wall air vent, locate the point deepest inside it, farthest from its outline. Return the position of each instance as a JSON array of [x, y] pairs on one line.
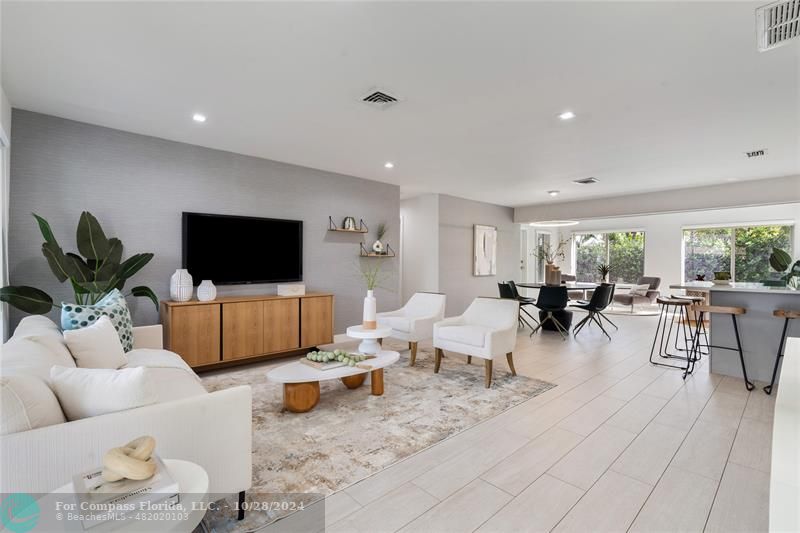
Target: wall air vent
[[756, 153], [381, 98], [586, 181], [777, 23]]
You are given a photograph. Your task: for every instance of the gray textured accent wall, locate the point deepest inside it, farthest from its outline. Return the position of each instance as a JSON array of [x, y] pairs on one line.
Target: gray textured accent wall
[[138, 186], [456, 219]]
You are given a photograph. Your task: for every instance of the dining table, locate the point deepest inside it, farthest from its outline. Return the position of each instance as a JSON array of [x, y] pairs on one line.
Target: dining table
[[572, 286]]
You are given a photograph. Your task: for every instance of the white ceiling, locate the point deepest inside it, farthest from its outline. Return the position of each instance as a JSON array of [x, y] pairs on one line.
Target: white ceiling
[[667, 94]]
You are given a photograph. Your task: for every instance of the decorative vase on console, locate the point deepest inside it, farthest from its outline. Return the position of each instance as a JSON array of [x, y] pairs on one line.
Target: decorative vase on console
[[552, 275], [370, 311], [180, 286], [206, 291]]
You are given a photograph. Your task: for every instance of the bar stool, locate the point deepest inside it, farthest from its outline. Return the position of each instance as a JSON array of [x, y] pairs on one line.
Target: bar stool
[[788, 315], [722, 310], [696, 301], [672, 308]]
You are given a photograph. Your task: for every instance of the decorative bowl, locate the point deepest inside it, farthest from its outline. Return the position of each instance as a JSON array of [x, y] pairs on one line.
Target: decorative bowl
[[721, 281]]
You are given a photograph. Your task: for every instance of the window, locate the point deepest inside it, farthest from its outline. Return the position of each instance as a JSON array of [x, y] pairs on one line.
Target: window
[[623, 250], [743, 251]]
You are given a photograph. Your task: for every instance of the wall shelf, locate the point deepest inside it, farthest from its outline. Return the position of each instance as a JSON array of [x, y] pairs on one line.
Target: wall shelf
[[362, 228], [366, 253]]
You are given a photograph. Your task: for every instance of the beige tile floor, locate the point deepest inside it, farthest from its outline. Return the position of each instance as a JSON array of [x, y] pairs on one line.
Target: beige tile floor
[[618, 445]]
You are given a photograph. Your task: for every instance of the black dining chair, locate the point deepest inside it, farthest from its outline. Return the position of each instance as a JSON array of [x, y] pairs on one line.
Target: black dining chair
[[601, 314], [600, 300], [523, 301], [507, 293], [552, 300]]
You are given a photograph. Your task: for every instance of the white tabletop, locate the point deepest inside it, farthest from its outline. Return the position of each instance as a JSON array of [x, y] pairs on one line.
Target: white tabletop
[[358, 332], [298, 372]]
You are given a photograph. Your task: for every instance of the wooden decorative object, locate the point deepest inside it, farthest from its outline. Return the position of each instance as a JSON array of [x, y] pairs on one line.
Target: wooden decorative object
[[376, 379], [300, 397], [354, 382], [132, 461]]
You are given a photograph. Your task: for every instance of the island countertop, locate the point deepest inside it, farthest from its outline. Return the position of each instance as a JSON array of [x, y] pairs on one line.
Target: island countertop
[[733, 287]]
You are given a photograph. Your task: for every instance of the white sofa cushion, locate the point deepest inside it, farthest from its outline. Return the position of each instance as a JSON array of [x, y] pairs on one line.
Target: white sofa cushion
[[85, 392], [172, 378], [34, 355], [37, 325], [472, 335], [27, 403], [96, 346], [399, 323]]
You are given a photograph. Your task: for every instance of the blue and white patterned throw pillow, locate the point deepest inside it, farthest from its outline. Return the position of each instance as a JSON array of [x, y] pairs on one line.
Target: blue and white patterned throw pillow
[[112, 305]]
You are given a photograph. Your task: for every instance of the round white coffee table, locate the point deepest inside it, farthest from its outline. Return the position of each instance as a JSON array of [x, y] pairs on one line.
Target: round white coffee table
[[301, 381], [369, 338]]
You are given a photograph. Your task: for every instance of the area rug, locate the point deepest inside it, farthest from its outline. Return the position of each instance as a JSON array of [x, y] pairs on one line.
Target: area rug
[[351, 434], [638, 310]]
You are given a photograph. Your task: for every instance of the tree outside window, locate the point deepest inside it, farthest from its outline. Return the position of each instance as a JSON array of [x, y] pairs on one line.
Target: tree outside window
[[623, 250]]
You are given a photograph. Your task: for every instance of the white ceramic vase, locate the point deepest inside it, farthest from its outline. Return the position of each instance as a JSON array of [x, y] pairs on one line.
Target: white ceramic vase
[[180, 286], [377, 247], [370, 311], [206, 291]]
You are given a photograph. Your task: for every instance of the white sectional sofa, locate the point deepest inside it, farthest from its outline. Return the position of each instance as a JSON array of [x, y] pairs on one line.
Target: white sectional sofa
[[40, 450]]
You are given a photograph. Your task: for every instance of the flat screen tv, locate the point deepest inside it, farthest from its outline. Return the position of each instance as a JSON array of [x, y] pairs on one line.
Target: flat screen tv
[[232, 250]]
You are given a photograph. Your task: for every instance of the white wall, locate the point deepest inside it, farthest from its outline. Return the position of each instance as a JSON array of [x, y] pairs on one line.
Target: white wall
[[420, 248], [664, 235]]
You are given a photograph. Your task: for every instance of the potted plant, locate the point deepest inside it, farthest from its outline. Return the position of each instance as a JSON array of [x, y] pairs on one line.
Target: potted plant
[[721, 278], [378, 246], [781, 262], [98, 270], [549, 254], [372, 276], [604, 270]]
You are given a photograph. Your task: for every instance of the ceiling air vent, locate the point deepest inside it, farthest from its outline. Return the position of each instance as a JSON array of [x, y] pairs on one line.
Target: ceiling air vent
[[777, 23], [381, 99], [586, 181]]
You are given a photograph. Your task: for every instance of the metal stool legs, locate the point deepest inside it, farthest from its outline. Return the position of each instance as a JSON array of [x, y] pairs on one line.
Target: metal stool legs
[[768, 388], [669, 312]]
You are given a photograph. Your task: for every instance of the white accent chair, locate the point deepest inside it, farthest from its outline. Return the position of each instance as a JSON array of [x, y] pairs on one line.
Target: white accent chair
[[414, 321], [487, 329]]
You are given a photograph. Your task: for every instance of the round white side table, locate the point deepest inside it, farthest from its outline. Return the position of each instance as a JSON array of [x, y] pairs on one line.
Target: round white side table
[[193, 486], [369, 338]]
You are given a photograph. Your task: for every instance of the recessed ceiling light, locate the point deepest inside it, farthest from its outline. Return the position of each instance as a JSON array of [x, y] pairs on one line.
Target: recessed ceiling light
[[566, 115], [388, 164], [199, 117], [553, 193], [553, 223]]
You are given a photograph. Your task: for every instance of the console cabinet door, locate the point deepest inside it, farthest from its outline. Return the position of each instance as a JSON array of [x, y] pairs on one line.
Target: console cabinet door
[[242, 330], [316, 321], [194, 333], [281, 325]]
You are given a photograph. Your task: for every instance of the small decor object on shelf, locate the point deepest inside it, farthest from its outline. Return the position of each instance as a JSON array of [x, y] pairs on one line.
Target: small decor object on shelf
[[95, 273], [781, 262], [206, 291], [349, 224], [700, 277], [484, 250], [722, 278], [604, 270], [181, 286], [132, 461], [377, 246]]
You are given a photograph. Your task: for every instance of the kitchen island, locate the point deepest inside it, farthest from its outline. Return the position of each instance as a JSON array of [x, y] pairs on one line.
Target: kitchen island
[[760, 331]]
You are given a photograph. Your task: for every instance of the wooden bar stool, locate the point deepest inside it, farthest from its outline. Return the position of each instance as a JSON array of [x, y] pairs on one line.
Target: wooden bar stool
[[672, 308], [723, 310], [788, 315]]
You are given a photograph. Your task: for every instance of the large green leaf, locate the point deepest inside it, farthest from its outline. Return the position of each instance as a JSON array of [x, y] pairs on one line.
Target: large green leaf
[[780, 260], [133, 264], [28, 299], [44, 227], [82, 270], [92, 242], [146, 292], [114, 251], [107, 271], [62, 266], [93, 287]]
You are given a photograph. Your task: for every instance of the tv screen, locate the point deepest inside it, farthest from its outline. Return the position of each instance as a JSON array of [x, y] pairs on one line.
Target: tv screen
[[230, 249]]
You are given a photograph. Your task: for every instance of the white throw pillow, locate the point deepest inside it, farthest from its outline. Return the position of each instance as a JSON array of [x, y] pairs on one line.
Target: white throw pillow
[[96, 346], [636, 290], [27, 403], [85, 392]]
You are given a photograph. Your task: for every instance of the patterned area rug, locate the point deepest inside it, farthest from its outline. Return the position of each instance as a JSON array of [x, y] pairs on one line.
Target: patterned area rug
[[351, 434]]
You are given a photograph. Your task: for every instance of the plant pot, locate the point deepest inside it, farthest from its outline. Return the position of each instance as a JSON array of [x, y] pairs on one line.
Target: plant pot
[[552, 275], [377, 247], [181, 286], [370, 311], [206, 291]]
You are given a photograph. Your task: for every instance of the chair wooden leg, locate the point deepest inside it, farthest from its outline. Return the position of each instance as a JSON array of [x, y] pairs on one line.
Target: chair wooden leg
[[413, 359], [469, 359], [487, 365], [437, 360], [380, 342], [510, 359]]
